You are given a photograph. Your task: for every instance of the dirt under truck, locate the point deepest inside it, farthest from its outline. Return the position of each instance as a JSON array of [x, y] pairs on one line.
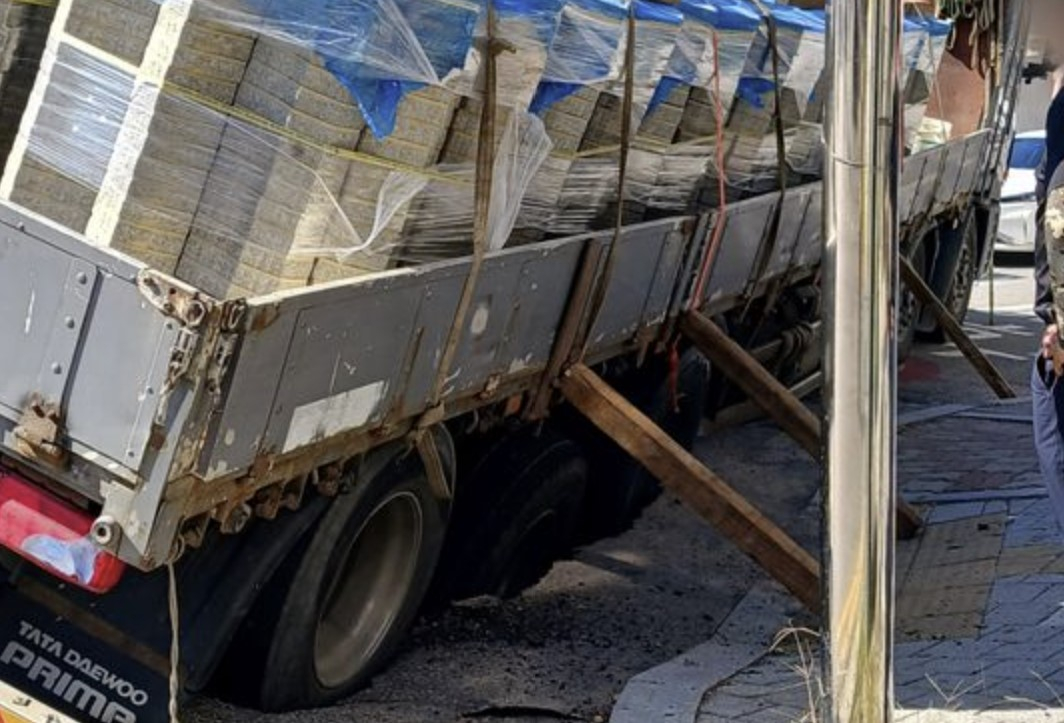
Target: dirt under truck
[[286, 473]]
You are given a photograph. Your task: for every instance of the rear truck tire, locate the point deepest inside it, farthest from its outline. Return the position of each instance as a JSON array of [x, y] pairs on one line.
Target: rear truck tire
[[958, 294], [909, 307], [334, 614], [516, 514], [619, 487]]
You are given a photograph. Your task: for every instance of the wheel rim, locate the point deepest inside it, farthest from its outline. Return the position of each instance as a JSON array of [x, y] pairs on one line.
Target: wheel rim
[[368, 590]]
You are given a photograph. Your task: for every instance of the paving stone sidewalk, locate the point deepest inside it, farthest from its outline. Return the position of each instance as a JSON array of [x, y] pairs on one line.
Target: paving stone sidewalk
[[980, 609]]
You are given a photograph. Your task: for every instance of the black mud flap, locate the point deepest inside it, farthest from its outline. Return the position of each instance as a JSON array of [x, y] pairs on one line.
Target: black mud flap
[[58, 662]]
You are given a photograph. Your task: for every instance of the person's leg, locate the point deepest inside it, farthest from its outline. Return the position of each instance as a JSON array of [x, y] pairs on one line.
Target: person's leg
[[1047, 395]]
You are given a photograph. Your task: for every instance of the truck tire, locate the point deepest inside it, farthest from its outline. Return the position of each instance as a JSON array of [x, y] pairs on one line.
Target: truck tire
[[959, 295], [333, 616], [619, 487], [910, 310], [517, 511]]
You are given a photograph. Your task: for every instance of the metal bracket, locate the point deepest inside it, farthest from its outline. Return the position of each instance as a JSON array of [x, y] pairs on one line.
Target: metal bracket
[[40, 431]]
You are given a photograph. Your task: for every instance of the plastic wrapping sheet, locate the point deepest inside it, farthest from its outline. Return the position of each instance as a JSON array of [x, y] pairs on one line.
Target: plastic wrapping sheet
[[381, 50], [586, 53], [440, 222], [920, 83], [801, 47], [587, 50], [528, 27]]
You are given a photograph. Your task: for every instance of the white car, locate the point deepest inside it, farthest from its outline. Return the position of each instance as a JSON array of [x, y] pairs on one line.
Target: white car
[[1016, 229]]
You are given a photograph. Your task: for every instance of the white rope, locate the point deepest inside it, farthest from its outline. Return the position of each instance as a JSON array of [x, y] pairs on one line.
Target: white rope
[[175, 635]]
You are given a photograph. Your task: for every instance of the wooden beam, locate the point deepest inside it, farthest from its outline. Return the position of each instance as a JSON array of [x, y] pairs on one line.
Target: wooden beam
[[679, 471], [775, 399], [756, 382], [986, 369]]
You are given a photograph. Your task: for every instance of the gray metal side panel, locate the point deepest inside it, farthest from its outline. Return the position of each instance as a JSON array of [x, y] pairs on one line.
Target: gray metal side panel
[[911, 174], [792, 226], [811, 238], [74, 329], [744, 232], [950, 175], [972, 166], [925, 190], [349, 356], [642, 282]]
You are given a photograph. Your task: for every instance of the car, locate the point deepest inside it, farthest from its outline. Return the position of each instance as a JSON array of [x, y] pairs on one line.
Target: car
[[1016, 229]]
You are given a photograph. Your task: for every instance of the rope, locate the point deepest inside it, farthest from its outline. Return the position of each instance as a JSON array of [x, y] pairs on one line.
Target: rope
[[175, 633], [984, 17]]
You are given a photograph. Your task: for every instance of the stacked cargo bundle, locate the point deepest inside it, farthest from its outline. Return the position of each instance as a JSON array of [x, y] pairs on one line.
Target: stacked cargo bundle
[[24, 29], [590, 191], [921, 80], [753, 161], [709, 58], [440, 220], [586, 53], [249, 146]]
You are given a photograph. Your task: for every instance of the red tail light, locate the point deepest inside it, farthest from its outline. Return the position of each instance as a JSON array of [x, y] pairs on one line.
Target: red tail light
[[54, 536]]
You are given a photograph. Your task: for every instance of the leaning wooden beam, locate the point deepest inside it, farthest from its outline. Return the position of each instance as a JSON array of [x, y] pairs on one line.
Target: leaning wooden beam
[[756, 382], [955, 333], [679, 471], [775, 399]]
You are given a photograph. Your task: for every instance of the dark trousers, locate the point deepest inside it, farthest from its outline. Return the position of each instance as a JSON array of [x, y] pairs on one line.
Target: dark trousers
[[1047, 394]]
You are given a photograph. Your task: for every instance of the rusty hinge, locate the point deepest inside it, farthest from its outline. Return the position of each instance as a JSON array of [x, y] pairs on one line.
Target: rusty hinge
[[40, 431]]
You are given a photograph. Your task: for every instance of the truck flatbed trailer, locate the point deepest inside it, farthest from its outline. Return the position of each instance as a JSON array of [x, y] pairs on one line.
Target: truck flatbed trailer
[[148, 429]]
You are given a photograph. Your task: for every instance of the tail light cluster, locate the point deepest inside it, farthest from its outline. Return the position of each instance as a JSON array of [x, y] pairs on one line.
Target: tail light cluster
[[54, 535]]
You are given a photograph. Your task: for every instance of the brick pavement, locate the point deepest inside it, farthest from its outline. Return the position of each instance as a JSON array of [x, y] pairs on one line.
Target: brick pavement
[[980, 610]]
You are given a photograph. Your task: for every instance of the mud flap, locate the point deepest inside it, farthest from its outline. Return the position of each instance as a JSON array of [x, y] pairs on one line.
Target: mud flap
[[50, 660]]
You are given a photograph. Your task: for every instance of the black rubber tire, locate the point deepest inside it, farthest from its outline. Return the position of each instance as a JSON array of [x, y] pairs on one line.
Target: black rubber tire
[[619, 487], [276, 663], [959, 295], [517, 510], [910, 309]]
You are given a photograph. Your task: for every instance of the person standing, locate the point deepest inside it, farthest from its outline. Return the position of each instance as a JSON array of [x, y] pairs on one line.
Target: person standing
[[1047, 387]]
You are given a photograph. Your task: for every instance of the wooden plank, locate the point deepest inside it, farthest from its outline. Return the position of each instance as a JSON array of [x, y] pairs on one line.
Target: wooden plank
[[679, 471], [986, 369], [756, 382], [775, 399]]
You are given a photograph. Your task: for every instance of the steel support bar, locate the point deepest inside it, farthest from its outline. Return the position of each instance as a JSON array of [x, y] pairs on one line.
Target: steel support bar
[[774, 399], [861, 254], [679, 471], [985, 368]]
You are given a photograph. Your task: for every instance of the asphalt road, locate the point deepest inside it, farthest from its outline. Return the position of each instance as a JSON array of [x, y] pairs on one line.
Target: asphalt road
[[565, 649]]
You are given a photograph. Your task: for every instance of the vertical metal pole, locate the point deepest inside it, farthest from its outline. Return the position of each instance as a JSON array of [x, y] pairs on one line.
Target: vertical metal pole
[[861, 264]]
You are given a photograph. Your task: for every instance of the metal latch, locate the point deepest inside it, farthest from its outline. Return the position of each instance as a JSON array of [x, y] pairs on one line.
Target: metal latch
[[40, 431]]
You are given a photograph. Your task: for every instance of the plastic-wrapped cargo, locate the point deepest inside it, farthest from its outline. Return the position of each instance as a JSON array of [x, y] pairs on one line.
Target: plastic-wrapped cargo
[[753, 161], [586, 53], [216, 139], [24, 27], [590, 191], [708, 59], [921, 81]]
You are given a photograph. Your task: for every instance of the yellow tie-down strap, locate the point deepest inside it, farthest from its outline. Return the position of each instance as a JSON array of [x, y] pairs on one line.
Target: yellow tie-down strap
[[18, 708]]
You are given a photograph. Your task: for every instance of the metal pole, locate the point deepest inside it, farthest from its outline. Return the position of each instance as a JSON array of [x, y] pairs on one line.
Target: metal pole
[[860, 231]]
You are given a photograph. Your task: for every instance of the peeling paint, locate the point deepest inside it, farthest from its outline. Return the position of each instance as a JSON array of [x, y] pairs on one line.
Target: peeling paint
[[479, 324], [334, 415]]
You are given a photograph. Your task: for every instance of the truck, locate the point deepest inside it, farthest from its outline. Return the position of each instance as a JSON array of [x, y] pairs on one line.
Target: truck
[[261, 493]]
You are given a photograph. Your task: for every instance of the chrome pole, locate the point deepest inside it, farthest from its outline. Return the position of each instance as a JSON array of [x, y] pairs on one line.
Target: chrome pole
[[861, 237]]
